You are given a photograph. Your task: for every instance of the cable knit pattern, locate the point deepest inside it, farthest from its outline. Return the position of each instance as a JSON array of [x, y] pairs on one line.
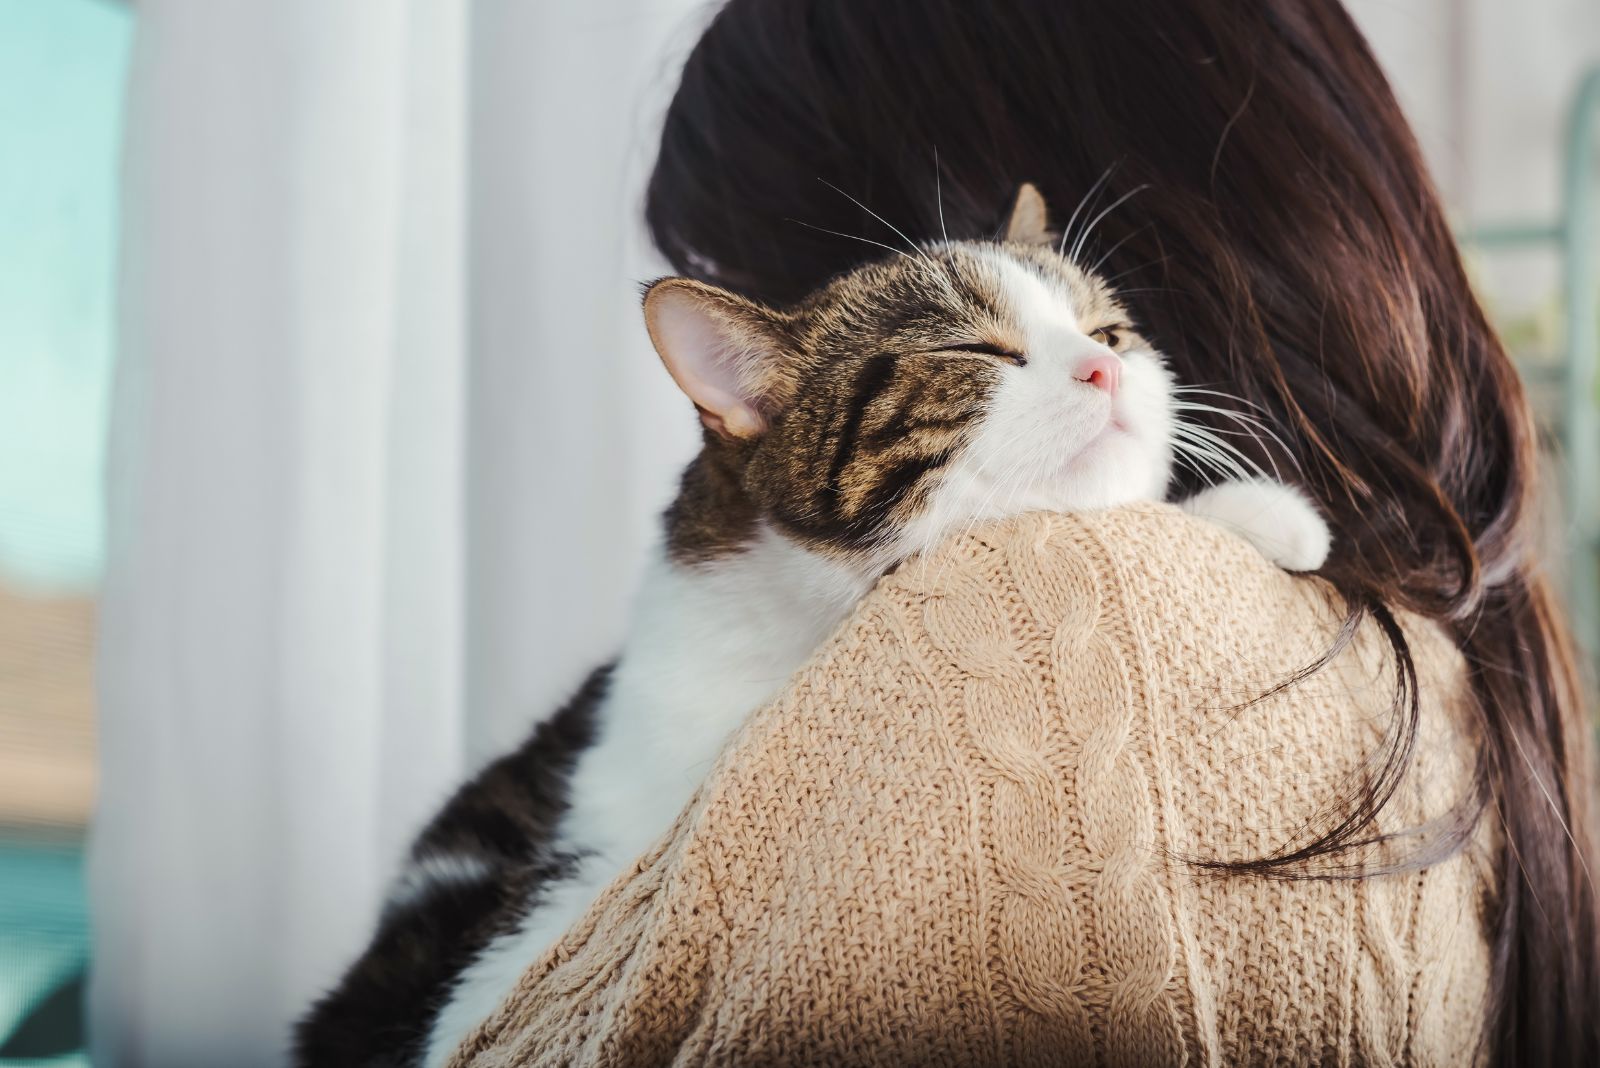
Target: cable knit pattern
[[960, 835]]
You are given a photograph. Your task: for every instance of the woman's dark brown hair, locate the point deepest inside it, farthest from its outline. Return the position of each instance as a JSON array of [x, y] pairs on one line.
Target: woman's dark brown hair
[[1286, 244]]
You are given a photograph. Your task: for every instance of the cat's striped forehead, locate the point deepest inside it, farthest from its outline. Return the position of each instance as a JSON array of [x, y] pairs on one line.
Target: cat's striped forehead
[[1006, 294]]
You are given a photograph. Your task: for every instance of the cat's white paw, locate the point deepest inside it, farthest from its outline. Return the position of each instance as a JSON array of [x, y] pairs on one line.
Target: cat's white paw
[[1277, 519]]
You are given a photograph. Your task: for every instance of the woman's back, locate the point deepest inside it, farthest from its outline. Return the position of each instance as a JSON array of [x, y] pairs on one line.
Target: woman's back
[[966, 834]]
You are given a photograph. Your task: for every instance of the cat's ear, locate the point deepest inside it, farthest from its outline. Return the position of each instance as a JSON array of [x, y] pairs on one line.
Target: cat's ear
[[1030, 218], [729, 354]]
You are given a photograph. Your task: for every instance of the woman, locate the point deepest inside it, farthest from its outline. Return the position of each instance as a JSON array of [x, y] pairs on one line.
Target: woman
[[1285, 241], [1260, 202]]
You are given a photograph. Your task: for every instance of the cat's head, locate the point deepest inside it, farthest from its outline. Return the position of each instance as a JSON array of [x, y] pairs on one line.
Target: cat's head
[[913, 396]]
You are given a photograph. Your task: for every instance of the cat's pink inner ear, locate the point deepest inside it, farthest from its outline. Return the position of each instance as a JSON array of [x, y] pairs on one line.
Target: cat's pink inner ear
[[708, 353]]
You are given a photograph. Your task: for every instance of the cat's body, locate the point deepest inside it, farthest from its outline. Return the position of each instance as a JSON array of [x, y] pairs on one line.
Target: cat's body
[[901, 403]]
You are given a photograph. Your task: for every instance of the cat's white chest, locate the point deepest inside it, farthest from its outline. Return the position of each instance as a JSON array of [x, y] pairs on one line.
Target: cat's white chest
[[707, 647]]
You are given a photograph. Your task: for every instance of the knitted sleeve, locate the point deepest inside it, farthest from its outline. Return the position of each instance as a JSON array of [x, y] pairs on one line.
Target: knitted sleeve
[[965, 834]]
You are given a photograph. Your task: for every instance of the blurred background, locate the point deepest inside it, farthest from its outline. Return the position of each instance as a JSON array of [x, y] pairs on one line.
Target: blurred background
[[339, 301]]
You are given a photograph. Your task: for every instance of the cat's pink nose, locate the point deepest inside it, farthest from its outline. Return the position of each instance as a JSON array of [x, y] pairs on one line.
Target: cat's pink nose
[[1101, 372]]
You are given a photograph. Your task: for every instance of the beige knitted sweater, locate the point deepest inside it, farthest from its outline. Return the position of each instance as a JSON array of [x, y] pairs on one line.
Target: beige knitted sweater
[[958, 837]]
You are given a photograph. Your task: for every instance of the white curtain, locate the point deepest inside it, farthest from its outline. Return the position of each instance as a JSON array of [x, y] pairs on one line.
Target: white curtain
[[388, 443]]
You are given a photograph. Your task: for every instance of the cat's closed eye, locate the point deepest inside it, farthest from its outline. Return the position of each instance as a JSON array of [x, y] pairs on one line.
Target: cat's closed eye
[[1109, 336], [984, 348]]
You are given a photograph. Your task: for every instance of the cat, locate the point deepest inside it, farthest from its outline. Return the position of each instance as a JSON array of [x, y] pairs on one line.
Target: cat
[[904, 401]]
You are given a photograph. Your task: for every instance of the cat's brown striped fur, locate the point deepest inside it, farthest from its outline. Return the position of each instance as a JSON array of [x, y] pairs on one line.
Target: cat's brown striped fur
[[866, 399]]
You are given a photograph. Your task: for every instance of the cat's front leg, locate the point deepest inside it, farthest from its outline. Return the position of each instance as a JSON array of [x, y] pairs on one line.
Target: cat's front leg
[[1276, 518]]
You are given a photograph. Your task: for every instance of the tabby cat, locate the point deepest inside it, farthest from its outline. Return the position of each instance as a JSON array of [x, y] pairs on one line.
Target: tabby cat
[[905, 400]]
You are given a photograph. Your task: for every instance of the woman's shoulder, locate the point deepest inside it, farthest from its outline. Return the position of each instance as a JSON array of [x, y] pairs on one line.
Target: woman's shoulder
[[1182, 699], [1148, 560], [1224, 675], [1195, 612]]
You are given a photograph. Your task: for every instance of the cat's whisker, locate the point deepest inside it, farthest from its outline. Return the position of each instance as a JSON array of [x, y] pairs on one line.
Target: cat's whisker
[[1231, 433], [1244, 421], [1240, 417], [1208, 467], [900, 233], [976, 514], [1077, 246], [851, 237], [1039, 451], [1183, 458], [1257, 421], [1158, 261], [1179, 392], [1112, 251], [1206, 453], [1008, 477], [1208, 437], [1253, 427], [1246, 429], [1198, 447], [1201, 442], [1206, 473], [1208, 391], [938, 194], [1066, 231], [980, 513]]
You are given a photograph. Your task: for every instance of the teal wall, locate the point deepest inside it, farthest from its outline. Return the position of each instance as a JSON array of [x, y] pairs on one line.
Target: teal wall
[[62, 69]]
